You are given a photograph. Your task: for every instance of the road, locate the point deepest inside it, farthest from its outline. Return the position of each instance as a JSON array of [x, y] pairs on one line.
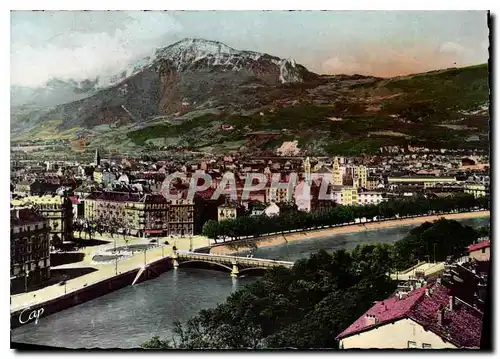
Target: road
[[105, 270]]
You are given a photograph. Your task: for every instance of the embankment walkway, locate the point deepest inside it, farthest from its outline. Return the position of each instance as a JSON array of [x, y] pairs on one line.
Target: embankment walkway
[[326, 231]]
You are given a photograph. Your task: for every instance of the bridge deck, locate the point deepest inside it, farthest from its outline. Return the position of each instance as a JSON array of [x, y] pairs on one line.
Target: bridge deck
[[246, 261]]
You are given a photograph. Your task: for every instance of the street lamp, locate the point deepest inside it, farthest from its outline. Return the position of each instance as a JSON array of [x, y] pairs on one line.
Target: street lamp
[[145, 258], [65, 281], [26, 275], [435, 252], [116, 259]]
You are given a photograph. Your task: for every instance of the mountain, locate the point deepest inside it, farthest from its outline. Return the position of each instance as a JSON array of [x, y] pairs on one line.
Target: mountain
[[54, 92], [205, 96], [191, 72]]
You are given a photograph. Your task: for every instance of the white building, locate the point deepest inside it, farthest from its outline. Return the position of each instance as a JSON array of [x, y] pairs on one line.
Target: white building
[[370, 197]]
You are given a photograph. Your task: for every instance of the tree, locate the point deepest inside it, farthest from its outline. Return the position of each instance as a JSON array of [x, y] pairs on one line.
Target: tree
[[211, 229], [156, 343]]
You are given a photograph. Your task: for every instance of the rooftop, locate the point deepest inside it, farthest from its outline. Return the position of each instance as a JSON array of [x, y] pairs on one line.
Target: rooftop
[[478, 246], [460, 326]]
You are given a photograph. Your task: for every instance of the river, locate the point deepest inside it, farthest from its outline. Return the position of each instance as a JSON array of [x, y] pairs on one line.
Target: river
[[128, 317]]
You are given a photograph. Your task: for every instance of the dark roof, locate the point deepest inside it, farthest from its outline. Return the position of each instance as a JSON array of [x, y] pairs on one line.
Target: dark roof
[[461, 326], [24, 216], [114, 196], [154, 198]]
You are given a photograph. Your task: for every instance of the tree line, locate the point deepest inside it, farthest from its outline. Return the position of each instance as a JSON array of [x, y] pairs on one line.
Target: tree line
[[255, 226], [308, 305]]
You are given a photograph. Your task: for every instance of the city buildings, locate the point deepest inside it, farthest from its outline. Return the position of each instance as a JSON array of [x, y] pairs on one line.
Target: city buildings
[[58, 210], [29, 249]]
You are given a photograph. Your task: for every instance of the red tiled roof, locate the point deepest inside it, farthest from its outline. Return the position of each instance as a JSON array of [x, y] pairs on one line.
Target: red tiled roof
[[461, 326], [477, 246], [386, 311]]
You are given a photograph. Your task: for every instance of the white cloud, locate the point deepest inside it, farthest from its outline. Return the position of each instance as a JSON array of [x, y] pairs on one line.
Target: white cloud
[[81, 53], [452, 47]]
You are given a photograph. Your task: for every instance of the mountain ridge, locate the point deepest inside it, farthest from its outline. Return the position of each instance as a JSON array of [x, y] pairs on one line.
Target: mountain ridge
[[182, 95]]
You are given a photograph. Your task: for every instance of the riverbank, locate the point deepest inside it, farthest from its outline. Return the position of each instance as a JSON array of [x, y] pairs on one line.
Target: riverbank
[[273, 240], [100, 272]]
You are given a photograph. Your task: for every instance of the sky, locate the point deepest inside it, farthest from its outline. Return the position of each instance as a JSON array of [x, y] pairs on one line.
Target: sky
[[84, 44]]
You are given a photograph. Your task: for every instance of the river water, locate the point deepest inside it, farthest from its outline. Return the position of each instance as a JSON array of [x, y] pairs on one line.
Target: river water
[[128, 317]]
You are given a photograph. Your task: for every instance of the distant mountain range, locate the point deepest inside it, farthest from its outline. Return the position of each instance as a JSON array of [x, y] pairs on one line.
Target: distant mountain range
[[185, 92]]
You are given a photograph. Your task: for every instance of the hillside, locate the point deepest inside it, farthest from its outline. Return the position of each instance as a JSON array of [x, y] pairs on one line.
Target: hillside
[[205, 96]]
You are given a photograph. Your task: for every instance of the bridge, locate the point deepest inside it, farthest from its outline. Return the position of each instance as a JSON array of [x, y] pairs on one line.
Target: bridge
[[235, 265]]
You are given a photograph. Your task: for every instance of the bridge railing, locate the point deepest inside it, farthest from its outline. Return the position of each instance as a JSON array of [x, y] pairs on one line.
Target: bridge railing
[[229, 258]]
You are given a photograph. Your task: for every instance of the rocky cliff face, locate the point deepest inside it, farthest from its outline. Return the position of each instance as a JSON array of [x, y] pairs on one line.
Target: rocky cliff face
[[190, 74]]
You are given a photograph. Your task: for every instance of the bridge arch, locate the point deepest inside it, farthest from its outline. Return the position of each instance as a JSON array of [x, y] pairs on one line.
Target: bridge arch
[[253, 269], [206, 263]]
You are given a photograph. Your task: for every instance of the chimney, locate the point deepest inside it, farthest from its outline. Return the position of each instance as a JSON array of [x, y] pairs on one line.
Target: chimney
[[452, 302], [427, 292], [440, 315], [370, 320]]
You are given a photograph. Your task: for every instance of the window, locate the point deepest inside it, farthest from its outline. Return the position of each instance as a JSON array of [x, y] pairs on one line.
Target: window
[[412, 344], [483, 250], [426, 346]]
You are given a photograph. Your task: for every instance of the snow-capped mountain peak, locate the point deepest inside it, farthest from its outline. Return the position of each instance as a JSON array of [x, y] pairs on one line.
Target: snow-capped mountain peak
[[194, 53]]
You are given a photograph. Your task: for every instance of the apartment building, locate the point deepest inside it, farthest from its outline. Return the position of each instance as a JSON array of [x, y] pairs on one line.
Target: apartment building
[[139, 214], [181, 217], [58, 210], [29, 249]]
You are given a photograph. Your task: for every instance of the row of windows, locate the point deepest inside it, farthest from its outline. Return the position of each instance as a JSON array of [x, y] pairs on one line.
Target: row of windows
[[28, 228]]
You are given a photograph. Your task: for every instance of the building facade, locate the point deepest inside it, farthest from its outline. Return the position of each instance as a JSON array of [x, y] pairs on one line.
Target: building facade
[[275, 194], [476, 189], [29, 249], [58, 210], [139, 215], [181, 217], [480, 251], [360, 176], [370, 197], [227, 211], [348, 196]]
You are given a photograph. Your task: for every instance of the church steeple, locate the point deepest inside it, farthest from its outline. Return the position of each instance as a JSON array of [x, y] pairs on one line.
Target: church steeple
[[97, 158], [336, 173]]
